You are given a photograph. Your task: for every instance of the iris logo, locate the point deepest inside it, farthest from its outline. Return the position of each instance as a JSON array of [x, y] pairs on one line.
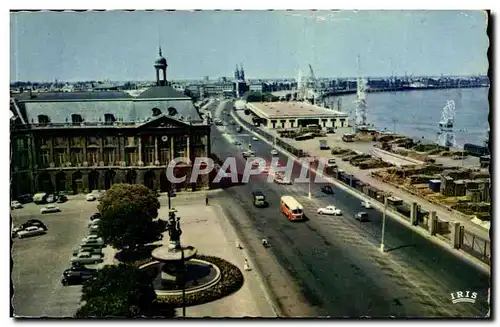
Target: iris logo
[[463, 296]]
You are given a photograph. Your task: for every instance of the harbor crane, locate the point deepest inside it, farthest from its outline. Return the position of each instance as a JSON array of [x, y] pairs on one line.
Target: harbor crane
[[446, 135]]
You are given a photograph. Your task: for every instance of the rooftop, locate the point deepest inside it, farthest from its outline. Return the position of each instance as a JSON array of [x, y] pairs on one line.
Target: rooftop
[[294, 109]]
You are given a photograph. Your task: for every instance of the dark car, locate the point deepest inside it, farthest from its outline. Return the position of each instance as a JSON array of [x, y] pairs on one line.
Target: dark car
[[61, 198], [259, 199], [26, 198], [77, 276], [95, 216], [327, 189], [362, 216]]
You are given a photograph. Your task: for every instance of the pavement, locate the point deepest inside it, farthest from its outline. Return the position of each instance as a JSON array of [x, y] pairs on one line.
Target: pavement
[[334, 263], [206, 228]]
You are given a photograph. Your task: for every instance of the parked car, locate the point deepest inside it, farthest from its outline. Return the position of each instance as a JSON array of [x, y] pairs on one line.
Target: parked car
[[94, 243], [93, 228], [25, 198], [362, 216], [29, 223], [77, 267], [77, 277], [95, 216], [86, 258], [90, 197], [237, 143], [274, 152], [330, 210], [327, 189], [281, 179], [254, 138], [62, 198], [30, 231], [366, 204], [50, 209], [91, 237], [90, 249], [51, 198], [16, 205], [94, 222]]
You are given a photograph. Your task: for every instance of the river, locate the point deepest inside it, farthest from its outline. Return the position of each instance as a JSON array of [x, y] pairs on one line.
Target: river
[[417, 113]]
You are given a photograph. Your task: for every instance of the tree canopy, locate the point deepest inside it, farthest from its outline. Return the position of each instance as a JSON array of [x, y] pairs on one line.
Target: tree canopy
[[128, 216], [119, 291]]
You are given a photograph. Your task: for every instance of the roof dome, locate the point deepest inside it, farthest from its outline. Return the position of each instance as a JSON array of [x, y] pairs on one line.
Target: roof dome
[[160, 61]]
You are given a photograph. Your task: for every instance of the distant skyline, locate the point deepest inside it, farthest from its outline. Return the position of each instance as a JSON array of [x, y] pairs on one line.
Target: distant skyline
[[122, 46]]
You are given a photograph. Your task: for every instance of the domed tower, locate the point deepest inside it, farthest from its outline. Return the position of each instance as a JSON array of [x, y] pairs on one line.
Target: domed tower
[[161, 64]]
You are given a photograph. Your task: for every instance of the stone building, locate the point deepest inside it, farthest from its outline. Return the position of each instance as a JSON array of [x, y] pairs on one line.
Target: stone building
[[83, 141]]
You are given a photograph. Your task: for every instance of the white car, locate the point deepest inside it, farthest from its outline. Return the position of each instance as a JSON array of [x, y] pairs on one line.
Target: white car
[[94, 222], [90, 197], [93, 228], [279, 179], [366, 204], [274, 152], [30, 231], [49, 209], [254, 138], [330, 210], [91, 237], [99, 243], [87, 258], [15, 205]]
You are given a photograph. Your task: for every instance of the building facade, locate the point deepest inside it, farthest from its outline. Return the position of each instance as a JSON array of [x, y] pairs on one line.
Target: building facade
[[84, 141]]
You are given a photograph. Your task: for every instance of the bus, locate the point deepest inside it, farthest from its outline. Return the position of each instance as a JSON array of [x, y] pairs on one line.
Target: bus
[[291, 208]]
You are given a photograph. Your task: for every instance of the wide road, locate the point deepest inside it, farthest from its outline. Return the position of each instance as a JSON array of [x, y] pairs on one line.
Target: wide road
[[336, 262]]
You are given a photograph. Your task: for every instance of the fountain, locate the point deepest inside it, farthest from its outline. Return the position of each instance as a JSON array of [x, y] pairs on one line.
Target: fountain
[[175, 270]]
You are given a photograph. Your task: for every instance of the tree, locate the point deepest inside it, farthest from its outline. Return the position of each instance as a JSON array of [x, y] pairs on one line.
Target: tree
[[128, 216], [119, 291]]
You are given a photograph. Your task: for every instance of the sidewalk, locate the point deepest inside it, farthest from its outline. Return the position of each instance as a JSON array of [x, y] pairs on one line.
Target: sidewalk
[[364, 176], [206, 228]]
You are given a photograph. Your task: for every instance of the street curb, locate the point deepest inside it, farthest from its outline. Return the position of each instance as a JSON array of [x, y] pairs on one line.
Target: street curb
[[456, 252], [255, 267]]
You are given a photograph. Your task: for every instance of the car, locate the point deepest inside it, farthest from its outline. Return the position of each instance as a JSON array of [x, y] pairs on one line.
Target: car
[[91, 238], [327, 189], [90, 249], [366, 204], [80, 268], [51, 198], [25, 198], [16, 205], [50, 209], [330, 210], [95, 216], [86, 258], [30, 231], [77, 277], [62, 198], [361, 216], [94, 222], [282, 180], [254, 138], [90, 197], [93, 228], [237, 143], [248, 154], [259, 199], [274, 152], [29, 223], [93, 243]]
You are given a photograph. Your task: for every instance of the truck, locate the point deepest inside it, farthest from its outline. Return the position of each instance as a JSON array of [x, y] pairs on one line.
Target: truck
[[323, 145]]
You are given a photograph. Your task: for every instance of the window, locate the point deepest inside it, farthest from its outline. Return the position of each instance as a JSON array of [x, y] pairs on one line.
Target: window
[[180, 143], [109, 157], [109, 119], [59, 158], [291, 123], [92, 140], [60, 141], [164, 156], [172, 111], [156, 111], [76, 119], [92, 156], [149, 156], [130, 157], [44, 158], [76, 157], [110, 141], [77, 141], [43, 119], [130, 141]]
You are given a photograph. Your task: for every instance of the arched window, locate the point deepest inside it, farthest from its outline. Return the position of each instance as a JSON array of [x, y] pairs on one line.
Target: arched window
[[76, 119], [109, 118], [156, 112], [43, 119], [172, 111]]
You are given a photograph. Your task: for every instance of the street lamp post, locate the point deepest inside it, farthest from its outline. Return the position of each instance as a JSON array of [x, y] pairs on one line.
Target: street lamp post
[[310, 176], [386, 197], [183, 283]]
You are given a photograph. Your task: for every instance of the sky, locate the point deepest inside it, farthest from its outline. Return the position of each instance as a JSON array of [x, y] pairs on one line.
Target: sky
[[122, 46]]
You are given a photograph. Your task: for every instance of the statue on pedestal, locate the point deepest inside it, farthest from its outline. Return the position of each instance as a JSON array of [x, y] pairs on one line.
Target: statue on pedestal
[[174, 231]]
